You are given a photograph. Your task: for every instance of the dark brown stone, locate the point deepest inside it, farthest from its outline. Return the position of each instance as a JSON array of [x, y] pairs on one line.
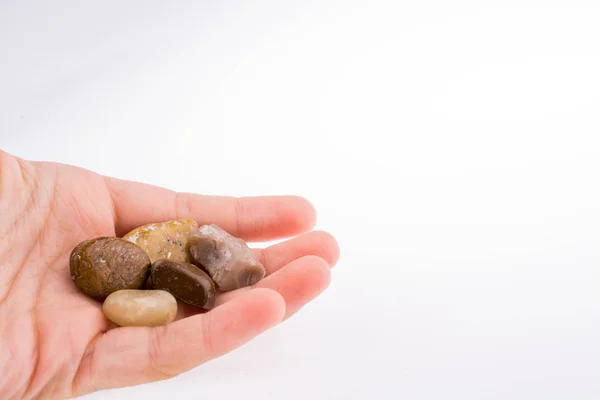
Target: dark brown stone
[[185, 281]]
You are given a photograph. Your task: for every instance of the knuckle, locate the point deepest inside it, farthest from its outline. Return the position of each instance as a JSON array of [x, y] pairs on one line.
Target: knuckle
[[160, 354], [207, 339], [263, 256], [183, 205], [240, 214], [246, 222]]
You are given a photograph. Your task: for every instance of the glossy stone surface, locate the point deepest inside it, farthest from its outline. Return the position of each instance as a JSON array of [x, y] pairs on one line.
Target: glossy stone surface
[[104, 265], [164, 240], [227, 259], [185, 281], [140, 307]]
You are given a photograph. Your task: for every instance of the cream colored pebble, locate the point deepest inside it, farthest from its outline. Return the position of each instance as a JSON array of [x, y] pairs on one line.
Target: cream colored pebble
[[140, 307]]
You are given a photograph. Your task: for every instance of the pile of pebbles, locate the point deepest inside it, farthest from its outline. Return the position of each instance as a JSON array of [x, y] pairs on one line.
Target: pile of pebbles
[[140, 276]]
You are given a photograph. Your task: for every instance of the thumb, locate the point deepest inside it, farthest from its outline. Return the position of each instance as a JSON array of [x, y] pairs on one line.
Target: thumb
[[130, 356]]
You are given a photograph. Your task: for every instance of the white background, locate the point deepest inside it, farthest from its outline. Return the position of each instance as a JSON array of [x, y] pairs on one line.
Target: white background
[[451, 147]]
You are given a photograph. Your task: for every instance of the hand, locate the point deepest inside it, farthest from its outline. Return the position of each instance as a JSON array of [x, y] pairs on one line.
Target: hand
[[56, 343]]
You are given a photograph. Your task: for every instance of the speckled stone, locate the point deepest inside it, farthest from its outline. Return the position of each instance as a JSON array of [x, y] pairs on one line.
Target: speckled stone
[[104, 265], [165, 240]]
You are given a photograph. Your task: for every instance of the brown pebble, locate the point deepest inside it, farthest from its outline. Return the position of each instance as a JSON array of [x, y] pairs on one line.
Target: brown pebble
[[228, 260], [104, 265], [140, 307], [185, 281]]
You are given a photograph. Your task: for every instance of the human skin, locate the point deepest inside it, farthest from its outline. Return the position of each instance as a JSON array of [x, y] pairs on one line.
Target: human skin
[[55, 342]]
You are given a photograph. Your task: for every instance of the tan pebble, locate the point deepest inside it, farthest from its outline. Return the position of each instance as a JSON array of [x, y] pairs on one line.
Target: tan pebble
[[140, 307], [165, 240]]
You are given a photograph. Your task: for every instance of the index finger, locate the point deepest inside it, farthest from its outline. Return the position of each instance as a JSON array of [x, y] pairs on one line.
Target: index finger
[[260, 218]]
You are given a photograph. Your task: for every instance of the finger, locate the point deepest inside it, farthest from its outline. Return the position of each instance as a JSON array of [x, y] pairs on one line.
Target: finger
[[317, 243], [275, 257], [298, 283], [251, 218], [135, 355]]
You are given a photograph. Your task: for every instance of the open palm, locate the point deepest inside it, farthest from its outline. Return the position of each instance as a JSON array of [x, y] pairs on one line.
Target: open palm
[[56, 343]]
